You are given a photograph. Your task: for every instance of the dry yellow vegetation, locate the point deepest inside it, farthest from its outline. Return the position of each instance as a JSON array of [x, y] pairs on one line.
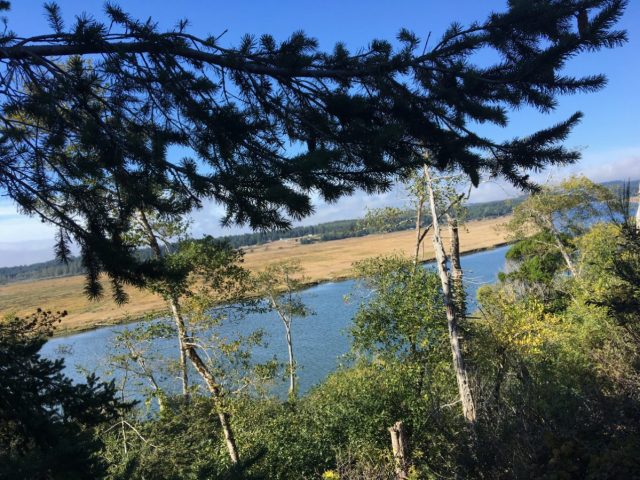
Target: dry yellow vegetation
[[321, 261]]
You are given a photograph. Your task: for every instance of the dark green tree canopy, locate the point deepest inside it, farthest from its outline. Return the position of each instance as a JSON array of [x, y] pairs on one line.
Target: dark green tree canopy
[[47, 421], [100, 119]]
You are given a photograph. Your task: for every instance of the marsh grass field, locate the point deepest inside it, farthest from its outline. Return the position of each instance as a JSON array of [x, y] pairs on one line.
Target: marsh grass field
[[323, 261]]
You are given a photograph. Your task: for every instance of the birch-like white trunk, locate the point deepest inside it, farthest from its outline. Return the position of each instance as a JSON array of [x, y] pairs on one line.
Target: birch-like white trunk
[[418, 229], [155, 248], [456, 267], [462, 377], [286, 321], [562, 248], [187, 350], [292, 366], [213, 387]]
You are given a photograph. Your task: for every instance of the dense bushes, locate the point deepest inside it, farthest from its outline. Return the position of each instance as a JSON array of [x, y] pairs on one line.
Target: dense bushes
[[48, 425], [554, 361], [341, 426]]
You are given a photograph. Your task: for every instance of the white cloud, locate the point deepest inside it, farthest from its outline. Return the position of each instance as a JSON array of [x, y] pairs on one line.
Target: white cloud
[[602, 166], [599, 166], [18, 228]]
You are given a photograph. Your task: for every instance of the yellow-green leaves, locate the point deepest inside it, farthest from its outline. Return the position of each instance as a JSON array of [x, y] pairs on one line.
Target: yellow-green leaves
[[518, 324]]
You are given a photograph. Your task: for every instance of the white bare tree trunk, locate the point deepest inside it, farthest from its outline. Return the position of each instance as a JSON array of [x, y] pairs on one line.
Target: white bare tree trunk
[[418, 229], [456, 268], [213, 387], [560, 245], [286, 321], [464, 389], [187, 350], [155, 248], [292, 372]]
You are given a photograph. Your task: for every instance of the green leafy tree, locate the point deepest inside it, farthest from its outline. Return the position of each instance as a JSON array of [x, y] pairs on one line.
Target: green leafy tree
[[404, 317], [200, 273], [559, 213], [278, 284], [535, 262]]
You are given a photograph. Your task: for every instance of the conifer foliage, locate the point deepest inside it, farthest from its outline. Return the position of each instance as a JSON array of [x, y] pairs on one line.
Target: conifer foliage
[[162, 119], [47, 423]]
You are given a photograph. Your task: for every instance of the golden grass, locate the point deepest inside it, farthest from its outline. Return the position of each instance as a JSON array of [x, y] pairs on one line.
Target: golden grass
[[321, 261]]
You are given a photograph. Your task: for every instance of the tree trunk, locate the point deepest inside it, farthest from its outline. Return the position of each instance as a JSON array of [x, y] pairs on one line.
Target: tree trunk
[[400, 450], [187, 350], [206, 375], [139, 359], [155, 248], [561, 247], [456, 268], [292, 372], [464, 389], [418, 229], [564, 253]]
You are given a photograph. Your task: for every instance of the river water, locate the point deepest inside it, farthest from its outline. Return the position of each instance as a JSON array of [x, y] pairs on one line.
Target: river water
[[320, 340]]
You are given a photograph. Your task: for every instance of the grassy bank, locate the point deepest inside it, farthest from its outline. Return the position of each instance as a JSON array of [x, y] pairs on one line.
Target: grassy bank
[[325, 261]]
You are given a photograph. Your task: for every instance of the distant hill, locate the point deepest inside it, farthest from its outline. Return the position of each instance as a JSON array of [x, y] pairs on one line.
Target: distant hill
[[322, 232]]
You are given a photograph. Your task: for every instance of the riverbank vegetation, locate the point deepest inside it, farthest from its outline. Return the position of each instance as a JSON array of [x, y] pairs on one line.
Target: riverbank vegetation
[[551, 355], [540, 382]]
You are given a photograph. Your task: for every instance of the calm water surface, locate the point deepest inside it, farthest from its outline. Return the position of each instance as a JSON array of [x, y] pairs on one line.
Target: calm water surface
[[319, 340]]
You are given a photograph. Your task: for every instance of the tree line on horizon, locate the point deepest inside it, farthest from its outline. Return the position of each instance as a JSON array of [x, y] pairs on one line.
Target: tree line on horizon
[[322, 232]]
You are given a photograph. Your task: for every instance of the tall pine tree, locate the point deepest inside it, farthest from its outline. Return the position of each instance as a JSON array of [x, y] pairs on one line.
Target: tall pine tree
[[98, 104]]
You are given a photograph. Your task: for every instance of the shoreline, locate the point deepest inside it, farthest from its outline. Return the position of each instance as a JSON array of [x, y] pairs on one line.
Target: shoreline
[[322, 262], [154, 314]]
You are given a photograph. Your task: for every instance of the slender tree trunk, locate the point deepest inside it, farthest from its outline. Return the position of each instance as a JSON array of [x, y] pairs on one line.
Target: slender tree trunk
[[418, 229], [563, 252], [155, 248], [187, 350], [292, 372], [561, 246], [286, 321], [456, 268], [139, 359], [213, 387], [464, 389]]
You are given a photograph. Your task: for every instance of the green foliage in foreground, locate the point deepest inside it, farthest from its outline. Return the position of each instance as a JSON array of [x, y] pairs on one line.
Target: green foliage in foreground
[[48, 424], [555, 371], [340, 425]]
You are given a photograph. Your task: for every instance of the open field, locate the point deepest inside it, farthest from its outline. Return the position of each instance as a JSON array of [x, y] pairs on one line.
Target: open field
[[321, 261]]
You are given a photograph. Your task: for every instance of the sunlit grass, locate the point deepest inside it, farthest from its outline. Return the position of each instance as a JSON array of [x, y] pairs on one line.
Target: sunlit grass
[[321, 261]]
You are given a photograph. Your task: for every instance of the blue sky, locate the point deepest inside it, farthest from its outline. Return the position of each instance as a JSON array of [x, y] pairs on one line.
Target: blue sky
[[609, 135]]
